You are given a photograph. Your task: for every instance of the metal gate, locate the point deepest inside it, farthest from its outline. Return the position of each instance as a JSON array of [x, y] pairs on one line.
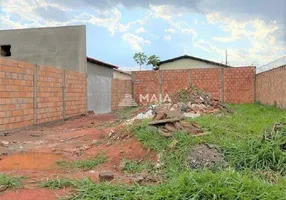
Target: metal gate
[[99, 93]]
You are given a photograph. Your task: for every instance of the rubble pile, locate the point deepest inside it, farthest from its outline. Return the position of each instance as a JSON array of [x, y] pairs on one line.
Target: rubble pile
[[168, 122], [194, 101]]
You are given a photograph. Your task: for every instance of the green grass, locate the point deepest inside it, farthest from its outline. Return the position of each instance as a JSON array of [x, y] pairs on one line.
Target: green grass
[[10, 182], [133, 166], [85, 164], [58, 183], [227, 184], [256, 167]]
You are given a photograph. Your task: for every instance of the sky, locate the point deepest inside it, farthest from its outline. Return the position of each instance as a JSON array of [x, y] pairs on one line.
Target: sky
[[252, 31]]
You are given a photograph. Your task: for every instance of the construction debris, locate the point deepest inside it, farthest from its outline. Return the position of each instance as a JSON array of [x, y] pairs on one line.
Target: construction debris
[[5, 143], [192, 100], [106, 176]]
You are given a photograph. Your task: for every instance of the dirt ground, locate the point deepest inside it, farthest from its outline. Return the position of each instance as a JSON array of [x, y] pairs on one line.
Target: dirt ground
[[204, 155], [33, 153]]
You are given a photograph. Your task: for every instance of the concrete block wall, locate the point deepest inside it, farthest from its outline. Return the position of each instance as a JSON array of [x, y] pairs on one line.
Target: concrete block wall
[[118, 90], [232, 85], [32, 94], [271, 87]]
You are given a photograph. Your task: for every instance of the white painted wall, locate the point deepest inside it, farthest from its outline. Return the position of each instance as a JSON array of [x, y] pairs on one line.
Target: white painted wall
[[121, 76], [187, 63]]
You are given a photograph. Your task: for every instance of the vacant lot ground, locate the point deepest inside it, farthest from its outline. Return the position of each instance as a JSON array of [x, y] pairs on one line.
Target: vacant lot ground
[[247, 159]]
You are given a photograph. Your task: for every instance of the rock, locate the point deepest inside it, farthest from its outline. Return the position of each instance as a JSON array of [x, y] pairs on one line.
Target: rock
[[35, 135], [160, 115], [111, 133], [148, 115], [106, 176], [152, 129], [191, 115], [5, 143], [183, 107], [189, 105]]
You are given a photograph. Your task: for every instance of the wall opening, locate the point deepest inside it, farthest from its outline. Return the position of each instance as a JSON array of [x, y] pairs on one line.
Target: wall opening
[[5, 50]]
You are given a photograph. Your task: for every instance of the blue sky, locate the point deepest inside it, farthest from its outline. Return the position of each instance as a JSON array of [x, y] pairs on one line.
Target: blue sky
[[252, 31]]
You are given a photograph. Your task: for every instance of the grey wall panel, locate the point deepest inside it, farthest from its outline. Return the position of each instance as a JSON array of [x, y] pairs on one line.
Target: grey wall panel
[[61, 47], [99, 93]]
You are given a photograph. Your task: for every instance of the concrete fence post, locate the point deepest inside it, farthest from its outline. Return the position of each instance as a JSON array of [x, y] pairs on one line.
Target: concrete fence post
[[86, 92], [160, 86], [222, 84], [35, 91], [254, 85], [64, 94], [190, 78], [132, 85]]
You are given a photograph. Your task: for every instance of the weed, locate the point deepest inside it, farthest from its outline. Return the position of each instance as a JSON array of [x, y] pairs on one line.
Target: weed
[[205, 184], [132, 166], [265, 154], [57, 183], [85, 164], [9, 182]]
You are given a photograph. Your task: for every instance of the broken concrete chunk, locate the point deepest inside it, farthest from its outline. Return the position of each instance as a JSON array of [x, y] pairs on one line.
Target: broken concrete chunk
[[174, 114], [191, 115], [111, 133], [5, 143], [106, 176]]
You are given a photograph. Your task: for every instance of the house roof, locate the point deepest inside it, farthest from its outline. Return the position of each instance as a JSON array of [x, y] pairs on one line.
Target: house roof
[[95, 61], [122, 72], [194, 58]]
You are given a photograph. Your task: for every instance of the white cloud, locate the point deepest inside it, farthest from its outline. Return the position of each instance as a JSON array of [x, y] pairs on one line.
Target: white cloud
[[170, 30], [167, 37], [135, 41], [196, 21], [225, 39], [207, 46], [140, 30], [39, 13]]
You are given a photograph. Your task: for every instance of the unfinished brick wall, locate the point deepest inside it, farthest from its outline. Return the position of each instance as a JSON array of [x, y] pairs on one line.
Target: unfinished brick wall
[[271, 87], [239, 85], [233, 85], [49, 94], [75, 97], [181, 77], [31, 94], [16, 94], [146, 86], [118, 90], [208, 80]]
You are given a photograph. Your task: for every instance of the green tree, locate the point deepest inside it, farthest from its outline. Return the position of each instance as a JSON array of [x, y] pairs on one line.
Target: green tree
[[154, 61], [140, 58]]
